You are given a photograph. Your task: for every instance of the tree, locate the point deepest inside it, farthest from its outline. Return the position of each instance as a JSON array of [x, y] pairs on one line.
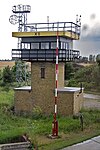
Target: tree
[[98, 59], [7, 75], [68, 71], [21, 73]]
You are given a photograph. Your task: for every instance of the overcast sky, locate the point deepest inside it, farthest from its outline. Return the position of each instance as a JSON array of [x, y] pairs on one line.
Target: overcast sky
[[57, 10]]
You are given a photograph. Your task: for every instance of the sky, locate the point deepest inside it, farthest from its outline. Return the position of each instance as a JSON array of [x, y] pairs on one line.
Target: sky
[[57, 10]]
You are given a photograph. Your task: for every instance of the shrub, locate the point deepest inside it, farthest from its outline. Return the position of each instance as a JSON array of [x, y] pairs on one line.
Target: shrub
[[37, 112], [72, 82]]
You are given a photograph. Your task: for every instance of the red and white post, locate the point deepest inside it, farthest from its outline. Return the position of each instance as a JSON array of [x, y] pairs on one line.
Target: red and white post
[[55, 122]]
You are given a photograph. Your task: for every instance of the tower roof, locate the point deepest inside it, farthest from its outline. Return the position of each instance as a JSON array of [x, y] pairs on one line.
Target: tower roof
[[66, 29], [66, 34]]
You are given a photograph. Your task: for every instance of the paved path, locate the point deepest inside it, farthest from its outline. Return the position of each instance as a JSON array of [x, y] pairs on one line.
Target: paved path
[[91, 96], [92, 144], [91, 101]]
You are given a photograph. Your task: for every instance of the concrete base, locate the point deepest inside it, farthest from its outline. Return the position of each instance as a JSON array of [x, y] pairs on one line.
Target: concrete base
[[53, 137]]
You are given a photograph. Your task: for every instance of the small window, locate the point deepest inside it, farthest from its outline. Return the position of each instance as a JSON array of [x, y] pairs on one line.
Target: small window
[[44, 45], [67, 46], [63, 45], [53, 45], [34, 45], [42, 72]]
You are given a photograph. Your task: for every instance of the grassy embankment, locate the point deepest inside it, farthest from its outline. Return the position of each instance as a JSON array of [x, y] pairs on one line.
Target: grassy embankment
[[39, 127]]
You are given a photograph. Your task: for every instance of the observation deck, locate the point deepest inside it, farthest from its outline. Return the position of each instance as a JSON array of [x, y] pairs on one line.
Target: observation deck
[[38, 42], [44, 55]]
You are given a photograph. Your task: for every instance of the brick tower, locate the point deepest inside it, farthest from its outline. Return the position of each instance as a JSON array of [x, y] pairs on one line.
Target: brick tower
[[38, 46]]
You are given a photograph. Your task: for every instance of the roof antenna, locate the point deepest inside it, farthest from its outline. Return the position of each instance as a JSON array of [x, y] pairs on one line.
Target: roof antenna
[[48, 22]]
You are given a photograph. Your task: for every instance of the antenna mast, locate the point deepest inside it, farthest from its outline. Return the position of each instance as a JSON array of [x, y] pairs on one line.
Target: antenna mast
[[20, 17]]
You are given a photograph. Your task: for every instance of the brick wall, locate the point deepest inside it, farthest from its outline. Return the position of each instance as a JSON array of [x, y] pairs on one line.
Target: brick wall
[[61, 75], [69, 103], [43, 88], [23, 101], [42, 92], [65, 103]]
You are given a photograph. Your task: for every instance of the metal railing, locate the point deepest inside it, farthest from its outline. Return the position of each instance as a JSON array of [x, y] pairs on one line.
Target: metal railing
[[44, 55], [53, 26]]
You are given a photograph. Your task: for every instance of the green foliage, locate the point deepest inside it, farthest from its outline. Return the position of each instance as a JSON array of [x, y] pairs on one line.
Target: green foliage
[[12, 126], [85, 74], [6, 97], [91, 116], [7, 75], [68, 71], [24, 69], [9, 136], [89, 76], [0, 74], [73, 83], [68, 124], [98, 59], [37, 112]]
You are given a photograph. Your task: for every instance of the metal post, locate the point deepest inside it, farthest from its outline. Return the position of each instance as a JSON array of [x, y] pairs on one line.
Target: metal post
[[55, 122]]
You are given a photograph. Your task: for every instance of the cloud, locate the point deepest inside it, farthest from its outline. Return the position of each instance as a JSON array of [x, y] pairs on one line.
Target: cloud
[[91, 32], [92, 16], [89, 42], [85, 28]]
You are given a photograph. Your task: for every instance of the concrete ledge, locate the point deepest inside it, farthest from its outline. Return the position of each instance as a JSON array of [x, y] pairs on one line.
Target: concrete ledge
[[24, 88], [69, 89], [16, 146]]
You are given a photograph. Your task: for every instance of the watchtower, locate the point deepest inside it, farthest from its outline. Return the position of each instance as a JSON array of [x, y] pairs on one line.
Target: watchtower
[[38, 45]]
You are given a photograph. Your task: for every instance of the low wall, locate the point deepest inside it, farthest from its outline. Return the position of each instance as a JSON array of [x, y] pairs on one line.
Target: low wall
[[23, 100], [69, 101], [15, 146]]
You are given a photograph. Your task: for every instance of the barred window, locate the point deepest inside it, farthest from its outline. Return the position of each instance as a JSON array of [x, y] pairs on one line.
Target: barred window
[[42, 72]]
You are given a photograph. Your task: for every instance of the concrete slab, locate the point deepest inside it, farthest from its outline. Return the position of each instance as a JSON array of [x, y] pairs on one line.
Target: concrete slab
[[69, 89], [96, 139], [92, 144]]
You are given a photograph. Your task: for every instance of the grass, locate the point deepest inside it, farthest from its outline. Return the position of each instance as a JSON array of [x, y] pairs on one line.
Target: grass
[[12, 126], [6, 97], [66, 140]]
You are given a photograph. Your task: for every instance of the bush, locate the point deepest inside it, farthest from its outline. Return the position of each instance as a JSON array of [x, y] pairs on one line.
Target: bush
[[37, 112], [68, 71], [73, 83], [89, 76]]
